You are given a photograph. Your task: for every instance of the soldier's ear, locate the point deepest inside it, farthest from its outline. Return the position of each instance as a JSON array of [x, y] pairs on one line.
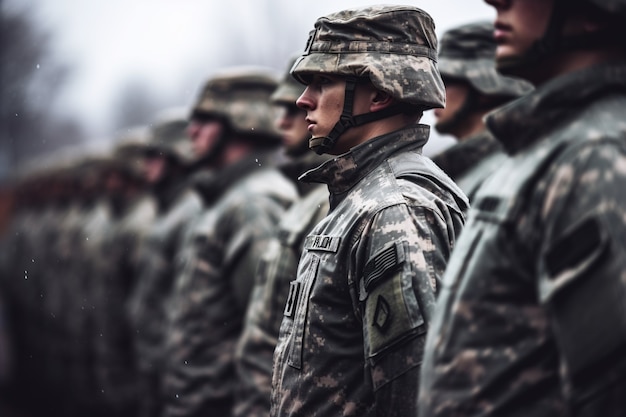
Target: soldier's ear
[[380, 100]]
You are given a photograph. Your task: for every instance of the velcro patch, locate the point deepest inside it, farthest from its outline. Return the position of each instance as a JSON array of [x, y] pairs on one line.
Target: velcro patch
[[322, 243], [574, 246], [384, 261], [292, 298]]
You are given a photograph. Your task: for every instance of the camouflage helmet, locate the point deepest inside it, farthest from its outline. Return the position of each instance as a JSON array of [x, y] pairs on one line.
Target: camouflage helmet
[[289, 89], [168, 135], [468, 53], [132, 141], [240, 97], [394, 46], [130, 149]]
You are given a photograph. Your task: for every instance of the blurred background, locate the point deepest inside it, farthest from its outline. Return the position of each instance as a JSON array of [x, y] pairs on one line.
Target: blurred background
[[76, 72]]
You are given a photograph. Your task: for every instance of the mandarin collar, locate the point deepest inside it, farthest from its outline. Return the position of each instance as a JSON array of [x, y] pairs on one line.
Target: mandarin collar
[[344, 171], [520, 123]]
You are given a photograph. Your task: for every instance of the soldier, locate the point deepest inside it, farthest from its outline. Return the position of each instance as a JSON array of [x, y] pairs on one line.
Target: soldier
[[167, 156], [133, 213], [21, 280], [530, 321], [279, 262], [78, 288], [473, 88], [355, 320], [218, 263]]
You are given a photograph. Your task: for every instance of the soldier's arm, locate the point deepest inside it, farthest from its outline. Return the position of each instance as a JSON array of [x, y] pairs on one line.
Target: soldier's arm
[[581, 267], [397, 289]]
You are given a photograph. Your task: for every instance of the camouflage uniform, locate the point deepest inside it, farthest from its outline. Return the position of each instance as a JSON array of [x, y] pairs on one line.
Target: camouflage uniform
[[177, 205], [530, 320], [467, 54], [133, 214], [471, 161], [277, 267], [21, 286], [243, 203], [354, 325]]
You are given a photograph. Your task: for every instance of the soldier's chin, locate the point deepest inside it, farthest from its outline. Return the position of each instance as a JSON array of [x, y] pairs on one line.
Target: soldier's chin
[[510, 64], [443, 128]]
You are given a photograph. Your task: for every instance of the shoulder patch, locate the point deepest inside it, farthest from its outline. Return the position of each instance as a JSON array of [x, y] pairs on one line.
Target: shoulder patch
[[385, 260]]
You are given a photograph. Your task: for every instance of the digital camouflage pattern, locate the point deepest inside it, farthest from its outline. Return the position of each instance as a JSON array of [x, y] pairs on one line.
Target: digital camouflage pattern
[[276, 269], [394, 46], [470, 161], [468, 53], [354, 325], [530, 320], [240, 97], [289, 89], [213, 283]]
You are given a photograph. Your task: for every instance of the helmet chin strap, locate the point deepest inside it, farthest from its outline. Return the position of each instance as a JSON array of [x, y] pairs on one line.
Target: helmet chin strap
[[323, 144]]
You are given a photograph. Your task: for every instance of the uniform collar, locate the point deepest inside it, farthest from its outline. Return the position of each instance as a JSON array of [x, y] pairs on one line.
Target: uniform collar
[[212, 184], [520, 123], [460, 157], [344, 171]]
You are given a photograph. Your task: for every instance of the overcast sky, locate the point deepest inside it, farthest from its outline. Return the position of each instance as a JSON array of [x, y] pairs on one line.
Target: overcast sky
[[173, 45]]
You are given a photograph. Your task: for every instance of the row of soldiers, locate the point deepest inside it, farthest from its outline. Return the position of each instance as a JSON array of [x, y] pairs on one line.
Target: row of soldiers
[[215, 265]]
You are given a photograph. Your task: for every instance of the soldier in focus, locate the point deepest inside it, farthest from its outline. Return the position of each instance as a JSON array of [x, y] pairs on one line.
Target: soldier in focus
[[530, 321], [241, 208], [167, 157], [351, 341], [473, 88], [279, 262]]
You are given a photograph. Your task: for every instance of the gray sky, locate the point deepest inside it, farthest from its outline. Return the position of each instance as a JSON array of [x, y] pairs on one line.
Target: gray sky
[[173, 45]]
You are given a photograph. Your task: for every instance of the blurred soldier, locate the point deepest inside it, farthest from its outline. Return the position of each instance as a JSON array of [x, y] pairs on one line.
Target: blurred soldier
[[80, 285], [531, 319], [56, 254], [133, 212], [166, 156], [355, 320], [279, 262], [473, 88], [217, 271], [20, 280]]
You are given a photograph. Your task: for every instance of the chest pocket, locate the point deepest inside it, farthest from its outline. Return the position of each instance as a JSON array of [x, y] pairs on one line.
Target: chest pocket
[[297, 307]]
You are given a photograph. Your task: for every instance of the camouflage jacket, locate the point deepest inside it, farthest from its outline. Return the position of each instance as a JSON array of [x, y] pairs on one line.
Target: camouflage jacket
[[277, 268], [116, 368], [352, 336], [157, 260], [471, 161], [530, 321], [213, 286]]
